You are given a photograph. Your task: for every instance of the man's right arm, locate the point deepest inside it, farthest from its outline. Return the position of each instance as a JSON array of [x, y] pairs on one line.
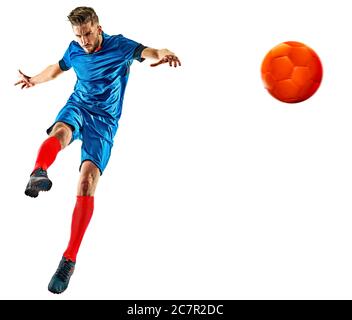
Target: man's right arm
[[49, 73]]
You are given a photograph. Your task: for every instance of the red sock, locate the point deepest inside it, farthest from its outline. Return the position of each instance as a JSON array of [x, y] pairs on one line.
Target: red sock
[[80, 219], [47, 153]]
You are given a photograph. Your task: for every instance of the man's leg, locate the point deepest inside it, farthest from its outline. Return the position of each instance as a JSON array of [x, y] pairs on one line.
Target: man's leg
[[82, 214], [59, 138], [84, 207]]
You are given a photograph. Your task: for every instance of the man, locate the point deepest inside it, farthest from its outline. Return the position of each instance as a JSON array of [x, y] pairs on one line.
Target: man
[[101, 63]]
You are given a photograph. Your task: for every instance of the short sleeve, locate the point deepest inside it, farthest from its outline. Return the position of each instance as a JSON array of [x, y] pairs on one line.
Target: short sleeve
[[137, 55], [65, 62], [132, 49]]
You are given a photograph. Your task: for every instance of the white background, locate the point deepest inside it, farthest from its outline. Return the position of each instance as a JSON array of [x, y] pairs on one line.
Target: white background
[[214, 190]]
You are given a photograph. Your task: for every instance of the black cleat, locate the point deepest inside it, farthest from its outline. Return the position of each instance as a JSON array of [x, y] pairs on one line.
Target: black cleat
[[38, 181], [60, 280]]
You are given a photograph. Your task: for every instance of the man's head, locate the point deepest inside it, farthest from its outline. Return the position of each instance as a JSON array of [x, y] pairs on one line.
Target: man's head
[[85, 25]]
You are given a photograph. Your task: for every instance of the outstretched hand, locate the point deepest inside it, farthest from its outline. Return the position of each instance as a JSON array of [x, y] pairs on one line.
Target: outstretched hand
[[169, 58], [24, 80]]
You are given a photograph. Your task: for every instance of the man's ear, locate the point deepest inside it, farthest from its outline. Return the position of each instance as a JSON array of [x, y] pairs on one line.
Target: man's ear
[[100, 29]]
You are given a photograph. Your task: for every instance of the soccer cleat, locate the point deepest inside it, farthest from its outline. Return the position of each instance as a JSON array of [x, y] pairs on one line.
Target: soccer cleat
[[38, 181], [60, 280]]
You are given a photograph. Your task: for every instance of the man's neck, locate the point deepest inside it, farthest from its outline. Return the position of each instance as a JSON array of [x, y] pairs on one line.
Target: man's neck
[[100, 43]]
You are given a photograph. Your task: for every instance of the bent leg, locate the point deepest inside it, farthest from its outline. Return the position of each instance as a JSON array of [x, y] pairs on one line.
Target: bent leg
[[59, 138]]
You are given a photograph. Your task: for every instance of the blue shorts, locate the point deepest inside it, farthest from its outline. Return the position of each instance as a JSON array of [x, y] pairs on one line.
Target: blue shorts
[[95, 131]]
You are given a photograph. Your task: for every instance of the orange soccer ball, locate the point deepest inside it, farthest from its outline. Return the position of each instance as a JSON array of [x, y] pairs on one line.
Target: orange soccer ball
[[291, 72]]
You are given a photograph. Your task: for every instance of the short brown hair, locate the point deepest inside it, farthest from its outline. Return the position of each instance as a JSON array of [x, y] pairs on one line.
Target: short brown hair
[[82, 15]]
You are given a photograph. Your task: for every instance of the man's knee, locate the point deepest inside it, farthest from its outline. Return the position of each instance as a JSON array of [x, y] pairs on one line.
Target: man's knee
[[62, 132], [88, 180], [86, 185]]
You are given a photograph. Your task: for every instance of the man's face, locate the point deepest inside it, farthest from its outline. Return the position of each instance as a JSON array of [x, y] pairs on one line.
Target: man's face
[[88, 36]]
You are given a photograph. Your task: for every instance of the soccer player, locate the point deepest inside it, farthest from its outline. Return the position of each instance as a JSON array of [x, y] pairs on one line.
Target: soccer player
[[102, 64]]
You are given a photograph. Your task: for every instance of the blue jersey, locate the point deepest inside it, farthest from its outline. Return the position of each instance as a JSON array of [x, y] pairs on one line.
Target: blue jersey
[[101, 76]]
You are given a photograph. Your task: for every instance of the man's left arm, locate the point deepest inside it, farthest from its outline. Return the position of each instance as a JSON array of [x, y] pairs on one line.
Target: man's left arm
[[162, 55]]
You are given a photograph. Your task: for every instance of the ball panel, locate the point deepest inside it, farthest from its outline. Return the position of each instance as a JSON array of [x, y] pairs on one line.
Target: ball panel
[[269, 81], [300, 56], [316, 69], [286, 91], [266, 64], [281, 68], [282, 50], [301, 75], [306, 90]]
